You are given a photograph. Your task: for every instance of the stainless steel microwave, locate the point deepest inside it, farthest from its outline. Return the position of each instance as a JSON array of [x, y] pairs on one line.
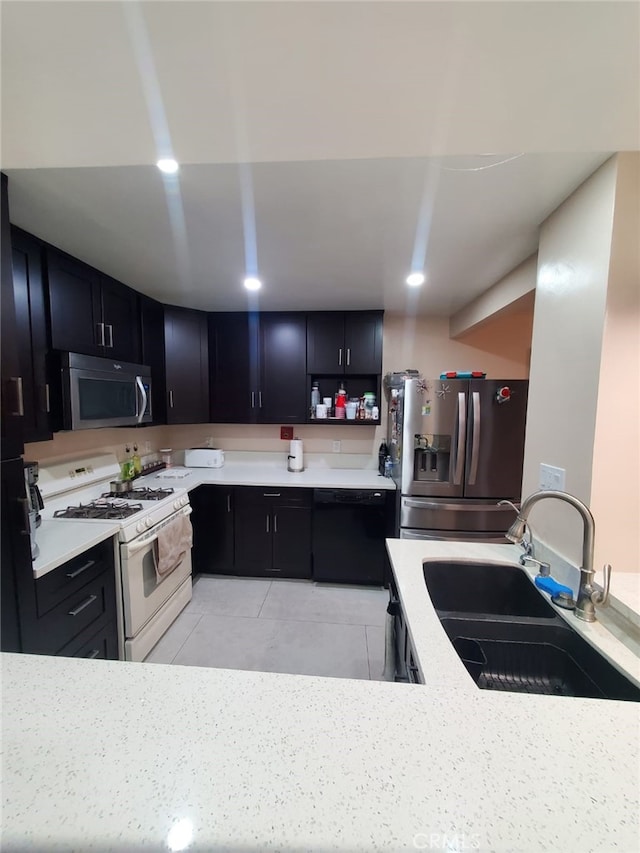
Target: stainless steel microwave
[[101, 392]]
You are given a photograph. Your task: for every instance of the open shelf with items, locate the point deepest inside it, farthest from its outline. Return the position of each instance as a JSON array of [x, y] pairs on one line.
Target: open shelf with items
[[354, 386]]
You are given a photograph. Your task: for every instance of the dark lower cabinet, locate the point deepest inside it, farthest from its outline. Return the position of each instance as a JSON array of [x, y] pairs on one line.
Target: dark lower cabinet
[[16, 570], [273, 532], [212, 519], [101, 644]]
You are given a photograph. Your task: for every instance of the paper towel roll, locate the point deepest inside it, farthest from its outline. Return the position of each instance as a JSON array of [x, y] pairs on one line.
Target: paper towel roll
[[296, 462]]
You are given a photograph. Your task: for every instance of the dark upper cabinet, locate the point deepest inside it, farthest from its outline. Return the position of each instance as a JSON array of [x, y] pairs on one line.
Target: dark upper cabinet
[[257, 367], [120, 313], [91, 313], [233, 367], [363, 342], [282, 393], [31, 331], [186, 365], [152, 354], [344, 342], [74, 305], [11, 423]]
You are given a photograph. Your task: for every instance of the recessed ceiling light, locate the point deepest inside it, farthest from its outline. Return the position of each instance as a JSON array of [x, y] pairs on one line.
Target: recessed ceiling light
[[168, 166], [252, 283], [415, 279]]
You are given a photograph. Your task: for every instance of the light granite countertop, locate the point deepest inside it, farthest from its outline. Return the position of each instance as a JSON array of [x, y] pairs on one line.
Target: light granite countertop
[[115, 756], [60, 541], [438, 662], [272, 472]]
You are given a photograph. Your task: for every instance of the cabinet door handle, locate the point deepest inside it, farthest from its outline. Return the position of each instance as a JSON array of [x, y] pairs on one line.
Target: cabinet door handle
[[267, 522], [110, 344], [348, 356], [47, 399], [260, 399], [81, 569], [171, 399], [275, 523], [253, 399], [93, 654], [340, 357], [100, 334], [228, 503], [19, 407], [271, 494], [83, 606]]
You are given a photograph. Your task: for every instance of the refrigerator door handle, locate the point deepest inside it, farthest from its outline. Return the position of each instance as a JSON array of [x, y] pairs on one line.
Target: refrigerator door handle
[[427, 503], [475, 442], [462, 434]]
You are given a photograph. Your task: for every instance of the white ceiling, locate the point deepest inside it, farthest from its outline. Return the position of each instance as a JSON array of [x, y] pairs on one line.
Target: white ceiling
[[354, 117]]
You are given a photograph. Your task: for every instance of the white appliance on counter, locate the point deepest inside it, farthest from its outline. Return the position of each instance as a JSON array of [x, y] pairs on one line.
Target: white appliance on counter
[[79, 490], [204, 457]]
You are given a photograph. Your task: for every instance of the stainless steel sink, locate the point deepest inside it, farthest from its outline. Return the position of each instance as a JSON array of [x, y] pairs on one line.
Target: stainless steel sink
[[491, 588], [510, 638]]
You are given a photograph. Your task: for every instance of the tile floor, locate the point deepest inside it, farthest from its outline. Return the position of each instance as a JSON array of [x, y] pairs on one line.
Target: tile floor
[[298, 627]]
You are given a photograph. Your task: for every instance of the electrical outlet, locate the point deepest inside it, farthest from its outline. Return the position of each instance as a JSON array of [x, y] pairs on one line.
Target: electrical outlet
[[286, 433], [208, 442], [337, 446], [552, 477]]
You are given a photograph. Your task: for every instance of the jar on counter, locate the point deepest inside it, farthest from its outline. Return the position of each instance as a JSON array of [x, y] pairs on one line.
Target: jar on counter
[[167, 456]]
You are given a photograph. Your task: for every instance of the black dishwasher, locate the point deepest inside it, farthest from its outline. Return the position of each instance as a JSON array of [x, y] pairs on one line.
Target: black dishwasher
[[349, 529]]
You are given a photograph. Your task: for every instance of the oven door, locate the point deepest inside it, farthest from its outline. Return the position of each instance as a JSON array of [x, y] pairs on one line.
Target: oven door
[[142, 595], [104, 399]]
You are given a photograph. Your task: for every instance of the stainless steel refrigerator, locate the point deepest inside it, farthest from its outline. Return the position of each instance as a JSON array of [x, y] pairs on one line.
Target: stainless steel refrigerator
[[457, 448]]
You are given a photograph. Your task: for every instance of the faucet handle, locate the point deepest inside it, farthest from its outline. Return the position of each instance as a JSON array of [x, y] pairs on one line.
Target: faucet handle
[[602, 598]]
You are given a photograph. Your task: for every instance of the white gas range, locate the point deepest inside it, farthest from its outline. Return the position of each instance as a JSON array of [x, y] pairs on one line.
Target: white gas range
[[80, 491]]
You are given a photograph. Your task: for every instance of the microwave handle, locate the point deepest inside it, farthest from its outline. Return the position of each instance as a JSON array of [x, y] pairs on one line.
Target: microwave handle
[[143, 396]]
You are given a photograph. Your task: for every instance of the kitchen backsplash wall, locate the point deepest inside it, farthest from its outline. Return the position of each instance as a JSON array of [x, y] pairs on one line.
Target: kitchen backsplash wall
[[421, 343]]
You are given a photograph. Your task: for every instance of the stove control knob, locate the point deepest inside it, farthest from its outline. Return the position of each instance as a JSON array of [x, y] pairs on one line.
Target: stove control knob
[[148, 522], [176, 504], [183, 501], [139, 527]]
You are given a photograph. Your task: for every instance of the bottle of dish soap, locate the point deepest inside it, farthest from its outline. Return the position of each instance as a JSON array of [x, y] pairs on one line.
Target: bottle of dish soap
[[126, 467], [137, 462]]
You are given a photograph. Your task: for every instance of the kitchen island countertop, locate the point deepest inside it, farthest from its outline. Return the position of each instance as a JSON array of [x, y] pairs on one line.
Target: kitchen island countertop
[[112, 755]]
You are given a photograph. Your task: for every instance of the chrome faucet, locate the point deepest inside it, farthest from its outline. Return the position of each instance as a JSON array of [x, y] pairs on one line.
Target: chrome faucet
[[588, 595]]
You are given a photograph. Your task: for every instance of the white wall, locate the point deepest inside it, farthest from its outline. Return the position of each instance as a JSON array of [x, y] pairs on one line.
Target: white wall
[[615, 476], [571, 294]]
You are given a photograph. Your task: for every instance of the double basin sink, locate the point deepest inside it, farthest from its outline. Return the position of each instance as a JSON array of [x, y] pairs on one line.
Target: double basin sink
[[509, 637]]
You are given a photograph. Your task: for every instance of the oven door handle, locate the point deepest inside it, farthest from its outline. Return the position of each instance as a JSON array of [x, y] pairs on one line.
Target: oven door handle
[[133, 548]]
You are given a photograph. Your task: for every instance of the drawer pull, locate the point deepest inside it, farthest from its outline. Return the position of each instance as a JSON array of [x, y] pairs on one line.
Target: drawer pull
[[82, 569], [93, 653], [83, 606], [271, 494]]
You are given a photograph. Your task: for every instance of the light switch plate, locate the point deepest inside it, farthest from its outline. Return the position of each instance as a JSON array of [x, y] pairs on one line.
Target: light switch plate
[[552, 477], [336, 446]]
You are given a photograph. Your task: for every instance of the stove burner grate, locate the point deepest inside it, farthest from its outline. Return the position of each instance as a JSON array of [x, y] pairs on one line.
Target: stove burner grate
[[100, 509], [142, 494]]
